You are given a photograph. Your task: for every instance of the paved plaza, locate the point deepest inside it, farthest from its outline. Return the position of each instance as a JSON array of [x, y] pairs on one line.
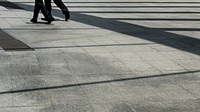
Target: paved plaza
[[111, 56]]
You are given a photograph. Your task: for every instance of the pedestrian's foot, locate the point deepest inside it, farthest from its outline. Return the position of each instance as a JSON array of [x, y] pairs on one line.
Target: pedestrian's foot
[[33, 20], [67, 16], [49, 20], [45, 19]]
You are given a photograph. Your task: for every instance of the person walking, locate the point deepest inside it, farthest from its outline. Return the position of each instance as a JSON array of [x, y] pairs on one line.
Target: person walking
[[59, 4], [39, 5]]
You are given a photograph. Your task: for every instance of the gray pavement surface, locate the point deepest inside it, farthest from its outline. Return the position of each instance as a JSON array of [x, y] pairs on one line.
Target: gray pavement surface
[[111, 56]]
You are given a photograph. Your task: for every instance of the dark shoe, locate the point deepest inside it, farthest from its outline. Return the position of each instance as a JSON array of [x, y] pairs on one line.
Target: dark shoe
[[49, 20], [33, 20], [67, 16], [44, 19]]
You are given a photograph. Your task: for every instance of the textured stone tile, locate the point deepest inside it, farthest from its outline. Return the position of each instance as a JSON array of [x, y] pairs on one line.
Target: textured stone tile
[[140, 93], [113, 107], [103, 57], [176, 55], [152, 56], [26, 82], [74, 107], [6, 100], [5, 83], [26, 58], [50, 59], [25, 69], [32, 98], [57, 80], [5, 59], [189, 64], [54, 69], [192, 88], [68, 95], [166, 65], [28, 109], [139, 66], [127, 56], [5, 69], [101, 93], [163, 48], [101, 40], [173, 92], [166, 106], [95, 49], [127, 49]]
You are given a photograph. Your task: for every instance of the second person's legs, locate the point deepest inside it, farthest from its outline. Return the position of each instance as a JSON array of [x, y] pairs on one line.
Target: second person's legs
[[64, 9], [36, 12], [48, 5]]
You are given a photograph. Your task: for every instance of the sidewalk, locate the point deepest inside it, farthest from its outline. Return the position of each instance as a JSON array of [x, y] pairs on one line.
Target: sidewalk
[[111, 56]]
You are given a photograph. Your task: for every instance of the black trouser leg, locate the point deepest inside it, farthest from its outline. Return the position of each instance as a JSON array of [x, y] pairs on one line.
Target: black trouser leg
[[36, 10], [48, 5], [43, 9], [64, 9], [62, 6]]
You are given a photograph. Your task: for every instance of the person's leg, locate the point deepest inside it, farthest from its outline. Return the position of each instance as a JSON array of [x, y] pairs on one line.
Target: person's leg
[[40, 6], [36, 12], [48, 5], [64, 9], [46, 13]]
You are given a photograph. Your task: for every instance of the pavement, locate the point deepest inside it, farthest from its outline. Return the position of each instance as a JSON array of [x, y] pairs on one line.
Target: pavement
[[111, 56]]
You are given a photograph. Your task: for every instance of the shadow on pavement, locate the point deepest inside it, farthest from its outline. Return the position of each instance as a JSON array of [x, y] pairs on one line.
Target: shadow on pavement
[[9, 5]]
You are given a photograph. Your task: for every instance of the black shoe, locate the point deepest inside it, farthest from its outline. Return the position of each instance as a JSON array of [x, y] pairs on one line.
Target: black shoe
[[33, 20], [44, 19], [67, 16], [49, 20]]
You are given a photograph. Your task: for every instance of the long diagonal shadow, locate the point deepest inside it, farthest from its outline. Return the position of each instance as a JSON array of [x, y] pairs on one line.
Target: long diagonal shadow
[[9, 5], [160, 36], [98, 82]]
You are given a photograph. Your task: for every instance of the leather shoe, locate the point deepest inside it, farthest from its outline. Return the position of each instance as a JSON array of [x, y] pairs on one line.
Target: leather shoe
[[33, 20], [49, 20], [45, 19]]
